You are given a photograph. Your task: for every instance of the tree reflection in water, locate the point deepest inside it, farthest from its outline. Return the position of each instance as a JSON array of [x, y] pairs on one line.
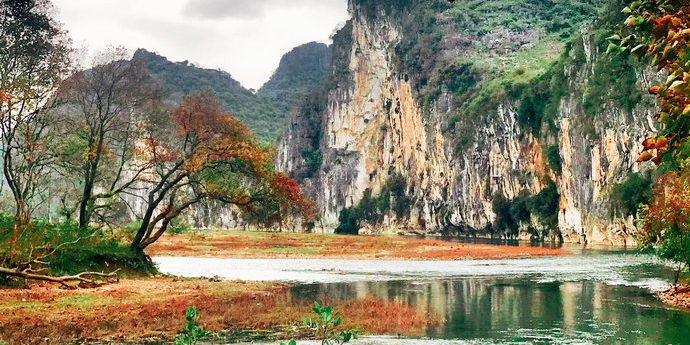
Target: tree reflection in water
[[522, 309]]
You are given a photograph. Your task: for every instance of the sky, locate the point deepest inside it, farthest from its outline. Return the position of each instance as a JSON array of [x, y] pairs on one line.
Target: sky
[[245, 38]]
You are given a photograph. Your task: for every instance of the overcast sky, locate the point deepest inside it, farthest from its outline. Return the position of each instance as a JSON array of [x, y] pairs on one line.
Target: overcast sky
[[243, 37]]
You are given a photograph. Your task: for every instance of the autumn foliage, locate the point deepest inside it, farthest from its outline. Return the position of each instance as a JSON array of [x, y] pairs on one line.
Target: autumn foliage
[[212, 155], [661, 33], [667, 219]]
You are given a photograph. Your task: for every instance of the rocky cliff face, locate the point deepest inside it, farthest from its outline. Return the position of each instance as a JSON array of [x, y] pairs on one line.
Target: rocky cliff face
[[457, 148]]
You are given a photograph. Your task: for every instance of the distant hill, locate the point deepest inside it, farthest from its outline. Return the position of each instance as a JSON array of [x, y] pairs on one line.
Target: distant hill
[[300, 71], [266, 117]]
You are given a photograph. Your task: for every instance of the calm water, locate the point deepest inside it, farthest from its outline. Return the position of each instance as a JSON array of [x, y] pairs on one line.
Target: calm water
[[594, 297]]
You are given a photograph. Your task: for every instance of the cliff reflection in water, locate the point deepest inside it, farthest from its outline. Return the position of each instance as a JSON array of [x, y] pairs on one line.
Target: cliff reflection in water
[[525, 310]]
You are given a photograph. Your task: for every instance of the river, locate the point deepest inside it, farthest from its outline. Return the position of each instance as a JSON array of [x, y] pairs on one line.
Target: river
[[591, 297]]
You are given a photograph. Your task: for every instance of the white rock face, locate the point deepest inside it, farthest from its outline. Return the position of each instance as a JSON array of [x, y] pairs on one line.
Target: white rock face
[[378, 122], [374, 129]]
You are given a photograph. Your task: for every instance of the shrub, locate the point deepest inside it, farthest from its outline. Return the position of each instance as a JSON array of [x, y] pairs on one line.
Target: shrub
[[192, 332], [666, 220], [348, 223], [553, 157], [373, 209], [312, 160], [626, 197], [65, 248], [511, 213]]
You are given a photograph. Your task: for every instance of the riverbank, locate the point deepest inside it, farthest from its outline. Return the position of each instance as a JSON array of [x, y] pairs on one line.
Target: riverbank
[[265, 245], [152, 310], [676, 296]]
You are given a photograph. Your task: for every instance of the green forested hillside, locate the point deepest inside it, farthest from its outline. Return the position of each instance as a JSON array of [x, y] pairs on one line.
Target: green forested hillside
[[177, 79], [299, 72]]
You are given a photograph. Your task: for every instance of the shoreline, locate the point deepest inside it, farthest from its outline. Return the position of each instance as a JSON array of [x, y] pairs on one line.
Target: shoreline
[[263, 245], [153, 309], [676, 296]]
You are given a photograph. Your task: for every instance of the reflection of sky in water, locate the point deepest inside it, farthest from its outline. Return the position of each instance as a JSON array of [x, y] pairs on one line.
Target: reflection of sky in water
[[583, 299]]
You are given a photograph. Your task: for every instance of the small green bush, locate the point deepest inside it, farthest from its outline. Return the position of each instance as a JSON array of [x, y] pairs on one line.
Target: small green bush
[[325, 324], [553, 157], [192, 332]]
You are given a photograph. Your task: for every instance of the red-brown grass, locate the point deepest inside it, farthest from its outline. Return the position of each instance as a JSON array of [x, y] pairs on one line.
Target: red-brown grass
[[154, 309], [235, 244]]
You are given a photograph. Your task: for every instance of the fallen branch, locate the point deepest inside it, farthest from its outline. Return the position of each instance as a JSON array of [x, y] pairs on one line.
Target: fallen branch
[[63, 280]]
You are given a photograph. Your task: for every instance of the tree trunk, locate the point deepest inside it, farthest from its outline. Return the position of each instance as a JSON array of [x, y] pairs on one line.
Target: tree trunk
[[23, 213], [84, 216]]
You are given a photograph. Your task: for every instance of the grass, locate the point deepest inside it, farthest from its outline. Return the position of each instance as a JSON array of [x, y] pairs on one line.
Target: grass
[[67, 248], [266, 245], [288, 250], [153, 310], [521, 66]]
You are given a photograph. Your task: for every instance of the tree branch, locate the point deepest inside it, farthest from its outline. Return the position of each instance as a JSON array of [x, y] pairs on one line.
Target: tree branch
[[63, 280]]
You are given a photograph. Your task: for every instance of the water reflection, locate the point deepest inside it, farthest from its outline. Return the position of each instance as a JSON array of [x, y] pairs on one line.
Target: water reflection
[[593, 298], [572, 247], [521, 310]]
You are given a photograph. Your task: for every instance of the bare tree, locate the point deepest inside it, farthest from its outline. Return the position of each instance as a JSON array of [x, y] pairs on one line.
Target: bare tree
[[34, 56], [104, 105]]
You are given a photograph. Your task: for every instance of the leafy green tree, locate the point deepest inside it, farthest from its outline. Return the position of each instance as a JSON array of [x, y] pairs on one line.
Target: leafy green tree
[[373, 209], [627, 197]]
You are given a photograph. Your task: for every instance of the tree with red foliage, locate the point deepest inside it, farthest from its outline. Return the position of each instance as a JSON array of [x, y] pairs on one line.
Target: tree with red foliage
[[197, 152], [661, 34], [667, 218]]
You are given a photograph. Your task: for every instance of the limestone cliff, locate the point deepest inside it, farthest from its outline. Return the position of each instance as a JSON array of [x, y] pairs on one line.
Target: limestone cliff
[[431, 105]]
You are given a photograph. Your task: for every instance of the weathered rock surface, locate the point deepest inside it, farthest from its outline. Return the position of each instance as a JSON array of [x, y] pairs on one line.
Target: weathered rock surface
[[373, 127]]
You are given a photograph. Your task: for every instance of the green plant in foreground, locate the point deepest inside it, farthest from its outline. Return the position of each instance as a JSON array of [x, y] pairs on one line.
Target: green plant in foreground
[[324, 326], [191, 331]]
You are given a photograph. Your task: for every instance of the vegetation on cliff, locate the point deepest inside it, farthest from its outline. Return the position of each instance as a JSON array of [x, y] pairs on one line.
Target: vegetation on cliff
[[300, 71], [175, 80], [392, 200], [515, 215], [311, 108], [474, 56]]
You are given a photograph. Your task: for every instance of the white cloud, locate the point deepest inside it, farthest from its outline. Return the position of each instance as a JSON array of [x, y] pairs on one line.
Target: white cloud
[[245, 38]]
